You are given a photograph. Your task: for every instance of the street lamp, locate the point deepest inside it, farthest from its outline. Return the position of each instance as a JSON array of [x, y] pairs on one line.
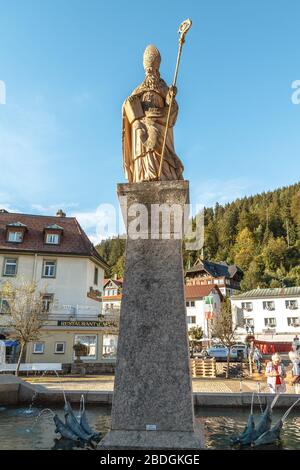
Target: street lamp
[[250, 329]]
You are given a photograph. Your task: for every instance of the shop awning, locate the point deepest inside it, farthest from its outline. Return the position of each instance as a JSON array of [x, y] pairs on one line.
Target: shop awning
[[10, 343]]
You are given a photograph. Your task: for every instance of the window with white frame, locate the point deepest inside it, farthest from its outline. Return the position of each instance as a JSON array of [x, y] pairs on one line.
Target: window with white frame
[[291, 304], [248, 306], [293, 321], [109, 346], [38, 348], [49, 268], [90, 341], [249, 321], [10, 267], [15, 237], [268, 305], [59, 347], [4, 306], [270, 322], [110, 292], [47, 302], [191, 320], [52, 238], [190, 303]]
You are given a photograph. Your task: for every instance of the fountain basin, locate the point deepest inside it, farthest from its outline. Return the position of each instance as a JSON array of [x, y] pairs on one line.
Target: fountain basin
[[217, 423]]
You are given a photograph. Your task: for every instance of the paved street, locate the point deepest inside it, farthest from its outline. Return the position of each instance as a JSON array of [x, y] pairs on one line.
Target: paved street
[[106, 383]]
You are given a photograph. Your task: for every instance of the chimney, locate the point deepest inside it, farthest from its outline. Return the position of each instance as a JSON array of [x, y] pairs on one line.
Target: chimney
[[60, 213], [115, 277]]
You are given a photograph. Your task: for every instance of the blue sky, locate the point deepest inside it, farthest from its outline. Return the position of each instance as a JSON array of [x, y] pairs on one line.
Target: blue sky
[[69, 64]]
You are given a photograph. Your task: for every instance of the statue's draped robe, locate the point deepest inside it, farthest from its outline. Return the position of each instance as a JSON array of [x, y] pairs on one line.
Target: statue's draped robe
[[143, 139]]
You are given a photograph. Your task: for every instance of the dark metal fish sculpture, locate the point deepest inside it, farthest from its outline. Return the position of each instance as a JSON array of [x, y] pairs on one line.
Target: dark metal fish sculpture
[[272, 436], [74, 425], [64, 430], [263, 425], [249, 428], [96, 436]]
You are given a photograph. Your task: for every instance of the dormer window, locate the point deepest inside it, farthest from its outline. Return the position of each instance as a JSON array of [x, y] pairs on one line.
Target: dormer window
[[15, 232], [52, 238], [15, 237], [53, 234]]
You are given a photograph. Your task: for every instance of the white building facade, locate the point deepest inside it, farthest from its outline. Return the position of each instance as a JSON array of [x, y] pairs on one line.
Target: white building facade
[[55, 254], [272, 314], [202, 304]]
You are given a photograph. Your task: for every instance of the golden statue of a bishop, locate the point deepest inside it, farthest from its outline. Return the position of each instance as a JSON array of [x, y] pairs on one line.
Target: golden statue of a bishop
[[144, 115]]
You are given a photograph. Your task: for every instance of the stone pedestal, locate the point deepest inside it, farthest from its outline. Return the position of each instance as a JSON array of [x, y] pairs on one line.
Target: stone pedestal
[[152, 403]]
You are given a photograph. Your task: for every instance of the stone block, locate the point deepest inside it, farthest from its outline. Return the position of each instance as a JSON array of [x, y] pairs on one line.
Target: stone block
[[152, 402]]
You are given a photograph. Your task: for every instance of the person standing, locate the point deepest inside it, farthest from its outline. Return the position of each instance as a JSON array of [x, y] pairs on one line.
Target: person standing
[[295, 360], [257, 359], [275, 372], [296, 344]]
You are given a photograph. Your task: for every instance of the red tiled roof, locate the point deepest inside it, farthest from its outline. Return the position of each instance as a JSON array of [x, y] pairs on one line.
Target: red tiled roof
[[196, 292], [118, 282], [73, 241]]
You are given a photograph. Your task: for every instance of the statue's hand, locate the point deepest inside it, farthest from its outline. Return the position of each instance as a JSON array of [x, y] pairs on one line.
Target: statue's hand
[[172, 92]]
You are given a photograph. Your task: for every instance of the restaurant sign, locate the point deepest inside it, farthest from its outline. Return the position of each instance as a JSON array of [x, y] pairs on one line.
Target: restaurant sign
[[85, 323]]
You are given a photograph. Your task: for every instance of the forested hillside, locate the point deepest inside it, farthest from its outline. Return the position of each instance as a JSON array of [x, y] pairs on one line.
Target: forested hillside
[[261, 234]]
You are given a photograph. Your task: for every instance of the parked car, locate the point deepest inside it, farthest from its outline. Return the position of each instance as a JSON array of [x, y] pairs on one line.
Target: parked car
[[202, 354], [219, 351]]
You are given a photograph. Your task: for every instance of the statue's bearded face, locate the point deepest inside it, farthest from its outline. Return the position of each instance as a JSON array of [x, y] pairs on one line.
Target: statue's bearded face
[[152, 77]]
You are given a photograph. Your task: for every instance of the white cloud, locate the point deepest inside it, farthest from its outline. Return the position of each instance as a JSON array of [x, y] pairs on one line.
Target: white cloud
[[5, 203], [100, 223], [53, 208], [209, 192]]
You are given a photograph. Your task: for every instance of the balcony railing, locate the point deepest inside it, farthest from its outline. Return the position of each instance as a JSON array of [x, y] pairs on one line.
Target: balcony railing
[[72, 312], [111, 314], [82, 312]]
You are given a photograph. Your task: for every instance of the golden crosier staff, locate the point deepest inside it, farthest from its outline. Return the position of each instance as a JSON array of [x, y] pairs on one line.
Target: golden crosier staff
[[183, 29]]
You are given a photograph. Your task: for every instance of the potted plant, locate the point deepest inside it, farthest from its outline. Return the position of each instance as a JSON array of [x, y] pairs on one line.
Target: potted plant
[[80, 350]]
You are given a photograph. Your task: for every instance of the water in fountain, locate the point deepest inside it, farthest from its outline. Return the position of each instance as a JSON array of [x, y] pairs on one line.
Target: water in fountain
[[258, 395], [30, 410], [81, 407], [38, 417], [62, 387]]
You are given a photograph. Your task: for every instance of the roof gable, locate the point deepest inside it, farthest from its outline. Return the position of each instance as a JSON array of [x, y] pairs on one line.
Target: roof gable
[[115, 282], [74, 241], [215, 269]]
